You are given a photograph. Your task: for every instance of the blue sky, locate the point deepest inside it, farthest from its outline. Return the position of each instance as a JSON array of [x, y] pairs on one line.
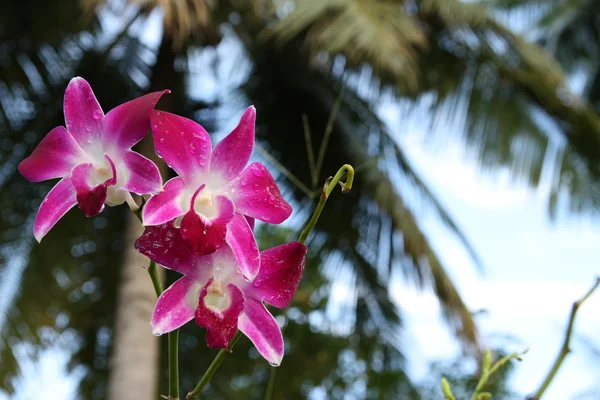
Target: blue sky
[[534, 269]]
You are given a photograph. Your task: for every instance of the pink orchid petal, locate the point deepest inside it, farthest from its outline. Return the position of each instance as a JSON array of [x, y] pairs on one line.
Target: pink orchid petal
[[58, 201], [176, 306], [183, 144], [164, 245], [54, 157], [256, 194], [164, 206], [144, 177], [83, 115], [280, 272], [241, 240], [129, 122], [221, 324], [90, 198], [203, 235], [261, 328], [231, 154]]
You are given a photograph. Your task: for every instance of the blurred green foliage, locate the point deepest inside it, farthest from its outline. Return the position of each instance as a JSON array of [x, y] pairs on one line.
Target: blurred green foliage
[[451, 61]]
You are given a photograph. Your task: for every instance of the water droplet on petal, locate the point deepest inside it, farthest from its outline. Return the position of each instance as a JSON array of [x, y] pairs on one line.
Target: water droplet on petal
[[97, 114]]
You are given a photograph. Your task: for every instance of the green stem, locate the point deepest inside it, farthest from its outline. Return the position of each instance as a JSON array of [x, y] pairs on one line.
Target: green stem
[[348, 171], [153, 272], [271, 384], [173, 364], [328, 187], [212, 368], [565, 347]]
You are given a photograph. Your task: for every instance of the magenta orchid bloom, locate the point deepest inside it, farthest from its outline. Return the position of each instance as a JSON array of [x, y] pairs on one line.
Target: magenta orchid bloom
[[224, 291], [212, 186], [93, 156]]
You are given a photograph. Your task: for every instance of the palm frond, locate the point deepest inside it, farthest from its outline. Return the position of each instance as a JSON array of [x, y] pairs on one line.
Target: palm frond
[[356, 225], [379, 33], [463, 43]]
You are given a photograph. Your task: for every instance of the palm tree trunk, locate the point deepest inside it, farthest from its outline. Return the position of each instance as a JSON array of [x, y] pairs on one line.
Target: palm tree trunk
[[134, 364], [136, 352]]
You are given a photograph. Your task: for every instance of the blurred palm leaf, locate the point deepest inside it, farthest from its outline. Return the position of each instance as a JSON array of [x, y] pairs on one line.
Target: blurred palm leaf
[[507, 93], [468, 62]]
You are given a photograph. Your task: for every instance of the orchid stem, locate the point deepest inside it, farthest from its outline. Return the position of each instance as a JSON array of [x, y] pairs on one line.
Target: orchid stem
[[565, 350], [153, 272], [173, 338], [330, 184], [346, 170], [212, 368], [271, 384]]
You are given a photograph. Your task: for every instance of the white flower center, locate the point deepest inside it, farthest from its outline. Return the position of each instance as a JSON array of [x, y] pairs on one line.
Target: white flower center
[[215, 298], [203, 202], [102, 173]]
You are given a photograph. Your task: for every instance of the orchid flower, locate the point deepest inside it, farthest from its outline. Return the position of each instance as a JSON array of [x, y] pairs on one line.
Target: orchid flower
[[93, 156], [212, 186], [224, 291]]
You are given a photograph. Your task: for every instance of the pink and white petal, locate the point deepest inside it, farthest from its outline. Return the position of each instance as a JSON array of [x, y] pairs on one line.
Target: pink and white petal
[[280, 272], [143, 174], [166, 205], [176, 305], [129, 122], [164, 245], [231, 154], [241, 240], [203, 235], [255, 193], [58, 201], [221, 324], [83, 115], [91, 199], [54, 157], [261, 328], [183, 144]]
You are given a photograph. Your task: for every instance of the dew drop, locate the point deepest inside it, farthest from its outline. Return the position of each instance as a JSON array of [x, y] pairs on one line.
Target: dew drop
[[97, 114]]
